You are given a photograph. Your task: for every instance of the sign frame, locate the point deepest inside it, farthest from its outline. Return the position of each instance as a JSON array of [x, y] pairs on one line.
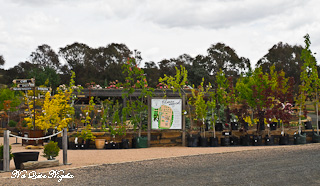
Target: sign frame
[[173, 107]]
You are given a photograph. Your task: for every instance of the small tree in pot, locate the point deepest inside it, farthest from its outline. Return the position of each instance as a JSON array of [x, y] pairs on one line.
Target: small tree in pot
[[51, 150], [201, 109], [135, 106], [309, 75]]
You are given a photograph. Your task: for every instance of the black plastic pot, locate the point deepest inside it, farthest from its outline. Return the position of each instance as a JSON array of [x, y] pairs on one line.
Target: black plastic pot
[[134, 143], [203, 141], [307, 125], [72, 145], [315, 138], [108, 145], [256, 140], [115, 145], [234, 140], [299, 139], [219, 127], [124, 144], [192, 141], [273, 126], [85, 145], [21, 157], [284, 140], [245, 140], [260, 126], [213, 142], [59, 140], [234, 126], [269, 140], [246, 126], [225, 141]]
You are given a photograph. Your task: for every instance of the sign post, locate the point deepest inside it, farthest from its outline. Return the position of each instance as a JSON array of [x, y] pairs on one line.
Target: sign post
[[29, 84]]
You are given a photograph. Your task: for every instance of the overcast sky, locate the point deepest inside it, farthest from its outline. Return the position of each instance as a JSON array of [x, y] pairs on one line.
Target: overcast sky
[[158, 28]]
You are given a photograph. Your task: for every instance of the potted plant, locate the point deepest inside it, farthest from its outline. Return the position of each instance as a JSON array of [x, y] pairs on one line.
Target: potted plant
[[245, 140], [21, 157], [201, 107], [1, 155], [86, 136], [193, 139], [300, 138], [309, 75], [135, 107], [222, 101], [51, 150], [273, 124]]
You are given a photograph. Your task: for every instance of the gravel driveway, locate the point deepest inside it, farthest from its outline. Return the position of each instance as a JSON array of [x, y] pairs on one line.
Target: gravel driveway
[[293, 165]]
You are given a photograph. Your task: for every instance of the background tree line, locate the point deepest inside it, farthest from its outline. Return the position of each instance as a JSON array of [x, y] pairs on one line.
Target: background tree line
[[103, 65]]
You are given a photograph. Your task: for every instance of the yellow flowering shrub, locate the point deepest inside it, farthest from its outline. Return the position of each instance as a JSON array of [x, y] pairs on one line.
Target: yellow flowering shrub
[[56, 112]]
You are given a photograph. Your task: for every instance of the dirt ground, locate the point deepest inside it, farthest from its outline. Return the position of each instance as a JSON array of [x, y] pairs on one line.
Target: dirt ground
[[84, 158]]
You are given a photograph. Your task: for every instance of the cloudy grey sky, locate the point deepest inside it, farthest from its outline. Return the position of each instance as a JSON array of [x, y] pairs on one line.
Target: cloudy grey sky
[[158, 28]]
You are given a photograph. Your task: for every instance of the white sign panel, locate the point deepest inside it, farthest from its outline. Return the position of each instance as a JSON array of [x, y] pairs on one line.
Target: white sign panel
[[166, 113]]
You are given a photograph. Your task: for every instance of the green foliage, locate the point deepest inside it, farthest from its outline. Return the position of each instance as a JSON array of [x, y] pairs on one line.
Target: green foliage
[[45, 76], [107, 108], [200, 104], [119, 128], [285, 58], [12, 123], [87, 111], [86, 133], [222, 98], [51, 150], [310, 82], [135, 79], [177, 82], [1, 152], [212, 106], [13, 96], [250, 89]]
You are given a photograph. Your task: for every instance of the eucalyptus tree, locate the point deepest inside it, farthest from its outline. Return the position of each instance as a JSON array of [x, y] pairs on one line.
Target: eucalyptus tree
[[197, 70], [20, 71], [152, 73], [221, 56], [77, 57], [107, 62], [45, 57], [2, 61], [284, 57]]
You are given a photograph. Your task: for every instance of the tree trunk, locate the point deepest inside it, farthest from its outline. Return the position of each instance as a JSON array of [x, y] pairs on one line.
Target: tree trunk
[[317, 111], [213, 125], [30, 165], [300, 117]]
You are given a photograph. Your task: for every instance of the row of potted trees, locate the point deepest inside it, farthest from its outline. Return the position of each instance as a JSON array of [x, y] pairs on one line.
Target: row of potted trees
[[227, 137]]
